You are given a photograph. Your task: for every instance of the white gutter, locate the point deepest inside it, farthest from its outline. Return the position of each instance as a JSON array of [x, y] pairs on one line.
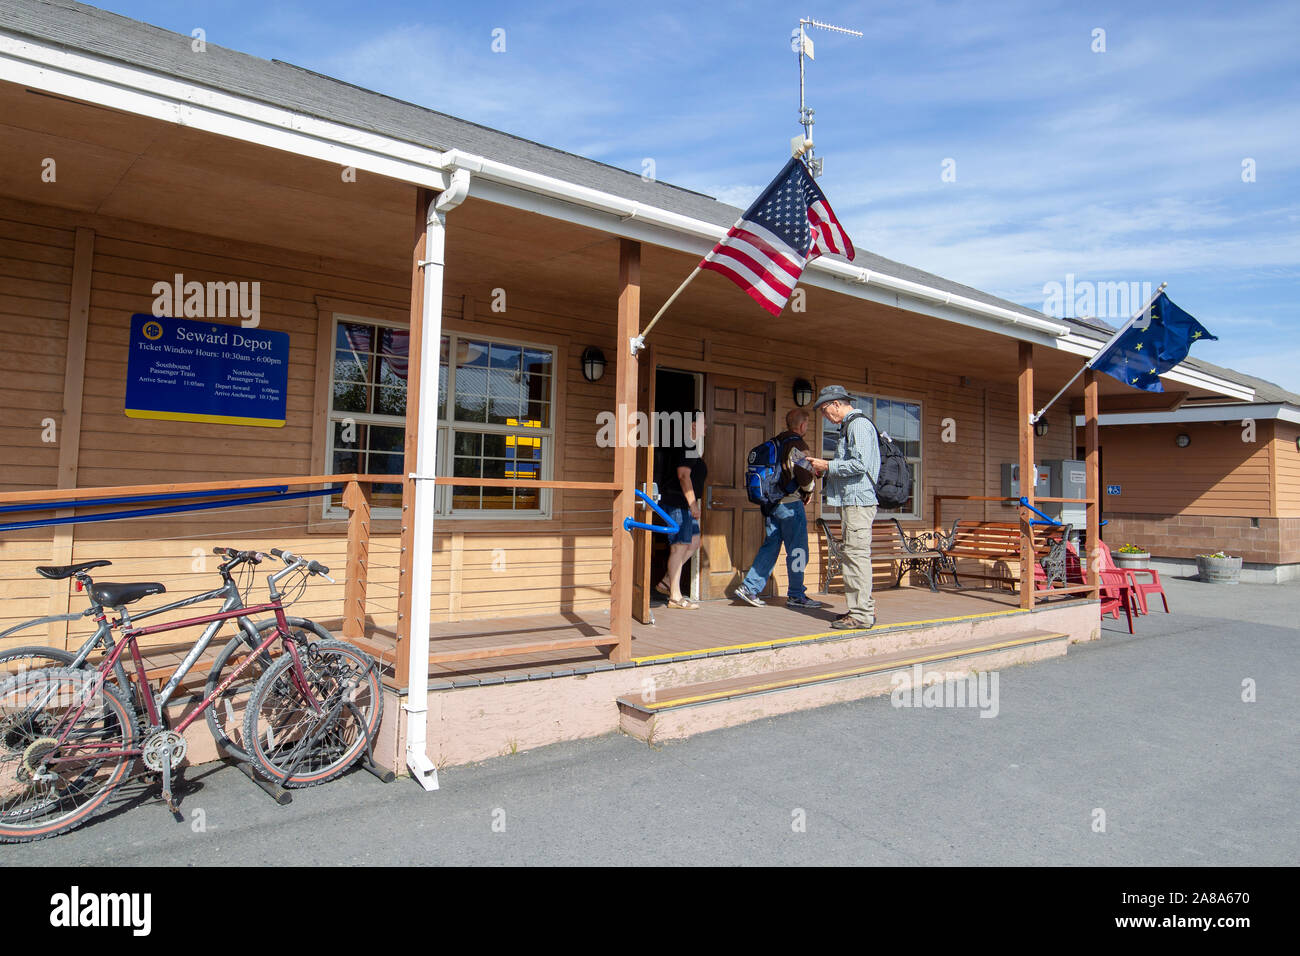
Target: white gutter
[[632, 213], [83, 76], [1203, 413], [426, 457]]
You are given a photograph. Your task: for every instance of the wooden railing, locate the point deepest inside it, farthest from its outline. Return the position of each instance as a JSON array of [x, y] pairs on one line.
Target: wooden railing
[[356, 494]]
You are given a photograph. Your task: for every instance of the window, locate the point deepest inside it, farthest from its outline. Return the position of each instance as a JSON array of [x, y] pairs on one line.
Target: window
[[902, 422], [500, 423]]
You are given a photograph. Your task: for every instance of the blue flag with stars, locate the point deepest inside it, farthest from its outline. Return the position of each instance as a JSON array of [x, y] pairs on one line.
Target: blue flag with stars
[[1153, 343]]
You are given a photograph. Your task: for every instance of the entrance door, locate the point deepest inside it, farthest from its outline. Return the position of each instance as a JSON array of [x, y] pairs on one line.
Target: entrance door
[[739, 416]]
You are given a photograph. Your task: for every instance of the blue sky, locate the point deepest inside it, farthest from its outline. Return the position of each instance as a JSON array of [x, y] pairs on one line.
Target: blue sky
[[1117, 166]]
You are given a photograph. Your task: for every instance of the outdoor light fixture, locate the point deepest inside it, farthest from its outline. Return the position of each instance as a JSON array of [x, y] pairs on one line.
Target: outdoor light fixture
[[593, 363], [803, 392], [1040, 427], [1183, 440]]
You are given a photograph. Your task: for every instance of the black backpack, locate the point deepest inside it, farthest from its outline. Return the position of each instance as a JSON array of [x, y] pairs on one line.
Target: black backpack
[[894, 484]]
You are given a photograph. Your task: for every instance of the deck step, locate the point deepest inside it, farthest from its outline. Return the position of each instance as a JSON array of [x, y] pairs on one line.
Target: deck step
[[688, 709]]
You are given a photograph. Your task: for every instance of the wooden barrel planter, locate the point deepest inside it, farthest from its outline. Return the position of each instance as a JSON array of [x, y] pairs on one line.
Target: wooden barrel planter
[[1216, 570], [1138, 561]]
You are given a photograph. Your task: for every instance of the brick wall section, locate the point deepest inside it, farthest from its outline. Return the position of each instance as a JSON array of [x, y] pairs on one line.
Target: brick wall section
[[1275, 541]]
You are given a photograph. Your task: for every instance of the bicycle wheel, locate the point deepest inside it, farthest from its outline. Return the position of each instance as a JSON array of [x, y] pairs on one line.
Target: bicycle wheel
[[46, 787], [297, 745], [225, 715]]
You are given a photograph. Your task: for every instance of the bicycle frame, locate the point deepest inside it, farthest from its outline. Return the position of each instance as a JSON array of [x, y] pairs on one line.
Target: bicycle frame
[[155, 705]]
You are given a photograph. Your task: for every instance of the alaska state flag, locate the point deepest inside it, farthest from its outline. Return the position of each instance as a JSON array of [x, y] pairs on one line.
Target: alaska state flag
[[1144, 349]]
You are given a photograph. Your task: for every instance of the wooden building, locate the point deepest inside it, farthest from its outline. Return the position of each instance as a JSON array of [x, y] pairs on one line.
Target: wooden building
[[1208, 477], [368, 226]]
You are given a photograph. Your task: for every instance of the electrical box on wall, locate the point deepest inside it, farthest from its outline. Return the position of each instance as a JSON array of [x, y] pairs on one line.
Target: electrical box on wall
[[1011, 480], [1066, 478]]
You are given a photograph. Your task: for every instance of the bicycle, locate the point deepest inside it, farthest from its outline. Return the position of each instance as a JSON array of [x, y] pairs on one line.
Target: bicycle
[[70, 735], [225, 720]]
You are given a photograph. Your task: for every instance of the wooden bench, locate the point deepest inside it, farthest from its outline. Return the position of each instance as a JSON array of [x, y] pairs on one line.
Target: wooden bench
[[889, 542], [1000, 541]]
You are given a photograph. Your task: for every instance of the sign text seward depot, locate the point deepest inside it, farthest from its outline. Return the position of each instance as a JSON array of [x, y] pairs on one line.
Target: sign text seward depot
[[182, 370]]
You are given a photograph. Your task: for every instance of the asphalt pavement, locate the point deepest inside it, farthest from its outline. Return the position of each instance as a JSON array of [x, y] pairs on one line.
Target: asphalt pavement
[[1131, 750]]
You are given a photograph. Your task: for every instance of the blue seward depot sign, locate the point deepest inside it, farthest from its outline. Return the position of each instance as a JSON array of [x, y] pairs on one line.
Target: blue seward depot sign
[[181, 370]]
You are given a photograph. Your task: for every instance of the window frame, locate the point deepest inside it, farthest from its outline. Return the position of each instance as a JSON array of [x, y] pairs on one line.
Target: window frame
[[918, 502], [447, 426]]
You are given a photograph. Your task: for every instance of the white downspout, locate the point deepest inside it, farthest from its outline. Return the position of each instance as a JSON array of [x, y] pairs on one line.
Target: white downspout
[[417, 695]]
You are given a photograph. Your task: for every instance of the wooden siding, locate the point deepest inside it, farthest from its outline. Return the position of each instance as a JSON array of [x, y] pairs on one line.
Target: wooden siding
[[1287, 457], [1217, 474]]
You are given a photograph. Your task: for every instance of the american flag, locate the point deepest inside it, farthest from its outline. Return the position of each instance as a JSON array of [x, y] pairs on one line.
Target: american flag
[[786, 227]]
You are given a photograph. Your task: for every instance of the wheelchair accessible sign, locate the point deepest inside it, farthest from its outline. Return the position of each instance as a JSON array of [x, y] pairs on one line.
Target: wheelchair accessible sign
[[181, 370]]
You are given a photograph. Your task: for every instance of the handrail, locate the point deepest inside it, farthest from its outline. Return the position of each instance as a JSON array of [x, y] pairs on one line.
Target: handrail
[[672, 527], [527, 483], [129, 499], [241, 484], [170, 509]]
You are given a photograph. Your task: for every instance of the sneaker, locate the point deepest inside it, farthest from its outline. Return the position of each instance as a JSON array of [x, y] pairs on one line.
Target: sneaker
[[847, 623], [804, 603], [748, 596]]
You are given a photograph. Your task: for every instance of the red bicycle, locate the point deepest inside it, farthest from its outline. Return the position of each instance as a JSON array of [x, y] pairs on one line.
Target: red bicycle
[[69, 736]]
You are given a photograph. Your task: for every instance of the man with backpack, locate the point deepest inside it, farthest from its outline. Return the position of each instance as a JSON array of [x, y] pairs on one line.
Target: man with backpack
[[779, 480], [850, 482]]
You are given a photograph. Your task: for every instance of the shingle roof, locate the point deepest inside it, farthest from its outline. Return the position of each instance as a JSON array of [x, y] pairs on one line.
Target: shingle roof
[[79, 27]]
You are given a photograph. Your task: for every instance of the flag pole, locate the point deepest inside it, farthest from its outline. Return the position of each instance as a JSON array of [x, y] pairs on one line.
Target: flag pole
[[1109, 342], [638, 343]]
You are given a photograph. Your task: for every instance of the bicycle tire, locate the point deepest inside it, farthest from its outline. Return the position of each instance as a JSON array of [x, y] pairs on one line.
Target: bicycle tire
[[32, 809], [225, 715], [30, 658], [278, 723]]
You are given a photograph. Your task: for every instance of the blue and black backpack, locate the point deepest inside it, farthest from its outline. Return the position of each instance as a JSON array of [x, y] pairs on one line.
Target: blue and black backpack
[[765, 485]]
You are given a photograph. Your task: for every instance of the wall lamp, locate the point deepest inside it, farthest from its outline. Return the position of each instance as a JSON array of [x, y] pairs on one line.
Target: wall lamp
[[803, 392], [593, 363], [1183, 440], [1040, 427]]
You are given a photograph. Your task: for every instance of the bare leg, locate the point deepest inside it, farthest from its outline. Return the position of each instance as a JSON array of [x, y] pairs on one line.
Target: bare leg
[[678, 555]]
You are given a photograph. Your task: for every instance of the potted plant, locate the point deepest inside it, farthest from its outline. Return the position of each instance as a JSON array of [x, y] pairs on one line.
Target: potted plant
[[1131, 556], [1218, 568]]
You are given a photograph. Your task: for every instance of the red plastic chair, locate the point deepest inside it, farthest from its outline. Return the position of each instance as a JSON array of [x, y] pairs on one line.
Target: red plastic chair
[[1116, 592], [1140, 588]]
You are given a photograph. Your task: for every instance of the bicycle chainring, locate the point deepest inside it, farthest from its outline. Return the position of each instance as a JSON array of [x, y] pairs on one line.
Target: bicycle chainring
[[156, 745]]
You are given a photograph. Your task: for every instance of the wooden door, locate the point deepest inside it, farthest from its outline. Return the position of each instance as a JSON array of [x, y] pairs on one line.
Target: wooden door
[[643, 541], [739, 416]]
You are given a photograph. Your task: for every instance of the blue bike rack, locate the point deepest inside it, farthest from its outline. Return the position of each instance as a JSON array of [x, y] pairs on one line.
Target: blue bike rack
[[672, 527], [1047, 519]]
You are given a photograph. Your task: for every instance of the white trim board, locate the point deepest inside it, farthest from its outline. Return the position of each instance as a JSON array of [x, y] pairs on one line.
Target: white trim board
[[1205, 413]]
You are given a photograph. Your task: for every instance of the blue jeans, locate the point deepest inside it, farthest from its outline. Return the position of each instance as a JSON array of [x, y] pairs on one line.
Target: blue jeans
[[788, 525]]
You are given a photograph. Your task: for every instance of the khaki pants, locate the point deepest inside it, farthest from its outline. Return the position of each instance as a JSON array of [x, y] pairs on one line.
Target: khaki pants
[[855, 523]]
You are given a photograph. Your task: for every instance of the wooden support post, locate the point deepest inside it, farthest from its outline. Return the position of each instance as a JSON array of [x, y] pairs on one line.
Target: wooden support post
[[69, 433], [938, 515], [402, 665], [625, 398], [1093, 493], [1024, 412], [356, 498]]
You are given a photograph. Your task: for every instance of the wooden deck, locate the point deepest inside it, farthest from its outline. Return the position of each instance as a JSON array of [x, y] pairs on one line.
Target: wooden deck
[[724, 626]]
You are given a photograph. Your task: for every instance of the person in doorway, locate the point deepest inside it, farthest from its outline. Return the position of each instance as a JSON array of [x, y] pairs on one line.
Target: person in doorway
[[681, 496], [787, 522], [849, 479]]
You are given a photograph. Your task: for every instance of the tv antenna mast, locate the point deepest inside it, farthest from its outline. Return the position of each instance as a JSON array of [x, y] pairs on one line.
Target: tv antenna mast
[[802, 44]]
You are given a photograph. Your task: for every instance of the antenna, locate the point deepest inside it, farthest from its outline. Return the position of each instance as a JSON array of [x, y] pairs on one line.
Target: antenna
[[802, 44]]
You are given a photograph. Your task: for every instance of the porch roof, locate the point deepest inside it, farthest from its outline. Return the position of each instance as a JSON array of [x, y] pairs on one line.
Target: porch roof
[[69, 26]]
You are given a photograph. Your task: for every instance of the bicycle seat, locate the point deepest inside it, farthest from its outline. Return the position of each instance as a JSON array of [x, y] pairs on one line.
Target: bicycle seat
[[57, 572], [115, 595]]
